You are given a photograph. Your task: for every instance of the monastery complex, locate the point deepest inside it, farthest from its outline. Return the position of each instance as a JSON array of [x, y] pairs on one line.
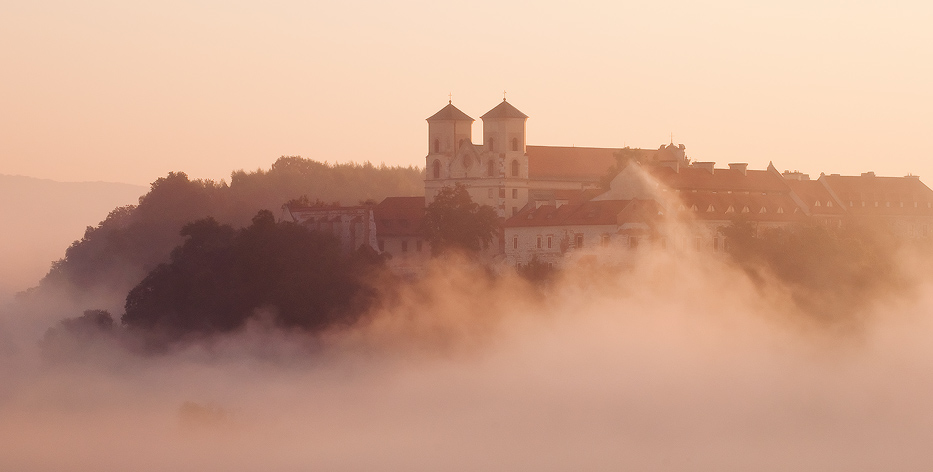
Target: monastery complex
[[557, 203]]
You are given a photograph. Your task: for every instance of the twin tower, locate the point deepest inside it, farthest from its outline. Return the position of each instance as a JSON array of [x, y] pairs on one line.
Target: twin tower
[[495, 171]]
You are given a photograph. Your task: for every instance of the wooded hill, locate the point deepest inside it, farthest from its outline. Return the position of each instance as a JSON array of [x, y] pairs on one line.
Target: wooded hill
[[116, 255]]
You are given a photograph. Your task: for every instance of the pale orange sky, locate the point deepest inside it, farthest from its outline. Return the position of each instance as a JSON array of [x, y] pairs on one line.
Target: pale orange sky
[[127, 91]]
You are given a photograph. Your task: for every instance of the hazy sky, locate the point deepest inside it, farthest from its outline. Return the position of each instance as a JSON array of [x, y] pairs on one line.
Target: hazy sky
[[127, 91]]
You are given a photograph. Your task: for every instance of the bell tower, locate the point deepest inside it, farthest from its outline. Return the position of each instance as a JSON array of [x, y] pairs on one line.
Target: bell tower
[[448, 130], [504, 149]]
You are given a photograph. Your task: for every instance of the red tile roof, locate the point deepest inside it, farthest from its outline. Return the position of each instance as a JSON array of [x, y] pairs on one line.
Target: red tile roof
[[815, 195], [602, 212], [751, 206], [399, 216], [586, 163], [450, 113], [569, 163], [504, 110], [695, 178], [894, 196]]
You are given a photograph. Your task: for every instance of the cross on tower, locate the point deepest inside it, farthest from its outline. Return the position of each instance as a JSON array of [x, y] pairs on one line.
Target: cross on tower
[[503, 95]]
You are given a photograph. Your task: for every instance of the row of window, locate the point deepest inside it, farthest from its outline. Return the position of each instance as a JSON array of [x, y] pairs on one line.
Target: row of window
[[547, 242], [490, 144], [886, 204], [418, 245], [490, 168], [491, 193]]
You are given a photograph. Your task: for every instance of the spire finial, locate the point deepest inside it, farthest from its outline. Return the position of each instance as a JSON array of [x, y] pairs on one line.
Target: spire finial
[[672, 138], [503, 95], [450, 98]]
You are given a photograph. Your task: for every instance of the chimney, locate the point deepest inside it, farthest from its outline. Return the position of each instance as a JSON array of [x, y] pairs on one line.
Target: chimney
[[708, 166], [739, 166], [868, 174], [795, 175]]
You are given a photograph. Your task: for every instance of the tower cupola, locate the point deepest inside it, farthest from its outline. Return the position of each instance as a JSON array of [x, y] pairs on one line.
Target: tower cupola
[[448, 129]]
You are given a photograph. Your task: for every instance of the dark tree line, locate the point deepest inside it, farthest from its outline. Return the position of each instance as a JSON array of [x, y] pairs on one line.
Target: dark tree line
[[116, 254], [220, 277]]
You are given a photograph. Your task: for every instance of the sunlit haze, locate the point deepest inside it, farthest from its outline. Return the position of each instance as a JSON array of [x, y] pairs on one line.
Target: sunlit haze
[[117, 91]]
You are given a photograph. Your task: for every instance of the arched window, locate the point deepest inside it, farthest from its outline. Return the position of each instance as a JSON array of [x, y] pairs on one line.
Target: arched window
[[437, 169], [490, 169], [515, 144], [437, 145], [514, 168], [492, 144]]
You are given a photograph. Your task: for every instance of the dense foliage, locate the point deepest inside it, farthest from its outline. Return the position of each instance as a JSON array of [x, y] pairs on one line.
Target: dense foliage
[[454, 221], [831, 271], [220, 277], [132, 240]]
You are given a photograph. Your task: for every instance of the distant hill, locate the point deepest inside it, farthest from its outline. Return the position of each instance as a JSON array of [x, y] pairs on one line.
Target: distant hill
[[41, 218]]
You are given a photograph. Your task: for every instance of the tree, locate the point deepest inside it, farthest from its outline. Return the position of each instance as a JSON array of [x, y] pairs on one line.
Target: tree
[[454, 221], [220, 277]]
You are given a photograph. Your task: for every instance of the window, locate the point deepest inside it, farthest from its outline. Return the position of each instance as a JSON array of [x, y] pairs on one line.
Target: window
[[437, 145], [548, 242], [404, 245], [515, 144], [492, 144], [489, 168], [515, 168], [578, 241], [418, 245], [514, 193], [437, 169], [501, 193], [515, 242], [604, 240], [539, 242]]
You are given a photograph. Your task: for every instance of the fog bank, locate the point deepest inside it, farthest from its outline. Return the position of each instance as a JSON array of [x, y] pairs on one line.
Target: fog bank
[[676, 363]]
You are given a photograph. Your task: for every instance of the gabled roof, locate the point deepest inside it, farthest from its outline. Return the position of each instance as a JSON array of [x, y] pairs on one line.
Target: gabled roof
[[399, 216], [695, 178], [504, 110], [812, 191], [570, 163], [906, 196], [716, 206], [600, 213], [586, 163], [450, 113]]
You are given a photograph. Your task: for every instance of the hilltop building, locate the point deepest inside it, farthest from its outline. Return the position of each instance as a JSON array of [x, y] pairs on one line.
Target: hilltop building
[[559, 202]]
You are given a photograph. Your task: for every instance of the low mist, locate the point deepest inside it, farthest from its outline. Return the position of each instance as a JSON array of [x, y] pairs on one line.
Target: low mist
[[676, 362]]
